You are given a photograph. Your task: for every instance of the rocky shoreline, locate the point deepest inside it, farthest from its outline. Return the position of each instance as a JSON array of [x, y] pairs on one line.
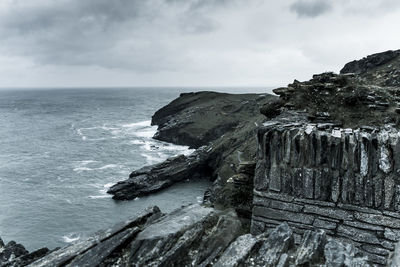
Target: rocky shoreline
[[305, 178]]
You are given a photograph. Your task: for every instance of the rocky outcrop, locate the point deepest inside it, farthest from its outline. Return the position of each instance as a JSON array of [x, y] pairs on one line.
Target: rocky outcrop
[[381, 69], [201, 236], [370, 62], [344, 99], [196, 119], [153, 178], [203, 116], [14, 254]]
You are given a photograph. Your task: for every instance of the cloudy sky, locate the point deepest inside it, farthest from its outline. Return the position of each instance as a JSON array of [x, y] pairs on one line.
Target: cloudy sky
[[74, 43]]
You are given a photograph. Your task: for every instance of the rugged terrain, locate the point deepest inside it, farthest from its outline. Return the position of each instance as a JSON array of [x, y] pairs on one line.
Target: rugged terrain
[[309, 178]]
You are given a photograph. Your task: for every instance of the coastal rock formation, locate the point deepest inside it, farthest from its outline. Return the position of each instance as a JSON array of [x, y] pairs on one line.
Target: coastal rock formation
[[196, 119], [325, 163], [201, 236], [381, 69], [330, 159], [153, 178], [14, 254]]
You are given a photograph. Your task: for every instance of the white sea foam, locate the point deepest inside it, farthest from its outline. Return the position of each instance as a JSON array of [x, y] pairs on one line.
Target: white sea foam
[[70, 238], [150, 159], [81, 169], [100, 196], [148, 132], [137, 142], [137, 124], [109, 166]]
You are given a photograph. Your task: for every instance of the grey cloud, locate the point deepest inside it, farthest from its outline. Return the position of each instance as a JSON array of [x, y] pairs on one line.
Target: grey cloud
[[112, 34], [310, 8]]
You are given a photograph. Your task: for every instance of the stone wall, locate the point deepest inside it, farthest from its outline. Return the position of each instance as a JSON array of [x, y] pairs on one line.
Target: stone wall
[[341, 180]]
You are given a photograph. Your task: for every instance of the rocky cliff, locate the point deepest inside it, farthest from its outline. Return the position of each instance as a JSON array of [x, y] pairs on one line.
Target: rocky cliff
[[307, 179], [331, 159], [199, 236]]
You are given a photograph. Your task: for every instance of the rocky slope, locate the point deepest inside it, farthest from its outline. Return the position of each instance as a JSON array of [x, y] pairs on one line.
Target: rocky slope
[[306, 179], [224, 125], [200, 236]]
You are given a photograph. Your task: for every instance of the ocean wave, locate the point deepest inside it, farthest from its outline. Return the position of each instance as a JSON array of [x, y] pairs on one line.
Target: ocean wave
[[151, 159], [100, 196], [109, 166], [71, 238], [81, 169], [137, 142], [137, 124]]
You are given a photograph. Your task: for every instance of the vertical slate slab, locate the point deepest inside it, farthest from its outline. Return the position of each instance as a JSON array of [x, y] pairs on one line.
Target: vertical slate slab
[[389, 190], [308, 183]]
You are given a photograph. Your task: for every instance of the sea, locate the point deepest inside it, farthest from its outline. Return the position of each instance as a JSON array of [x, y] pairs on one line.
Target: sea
[[61, 149]]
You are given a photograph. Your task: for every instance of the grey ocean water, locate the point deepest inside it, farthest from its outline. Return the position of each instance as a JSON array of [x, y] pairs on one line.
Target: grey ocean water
[[61, 149]]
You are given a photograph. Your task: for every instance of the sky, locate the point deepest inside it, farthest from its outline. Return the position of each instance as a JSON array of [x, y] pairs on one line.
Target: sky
[[91, 43]]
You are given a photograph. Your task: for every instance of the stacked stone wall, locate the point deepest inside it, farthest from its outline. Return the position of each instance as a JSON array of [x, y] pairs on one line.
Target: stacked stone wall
[[341, 180]]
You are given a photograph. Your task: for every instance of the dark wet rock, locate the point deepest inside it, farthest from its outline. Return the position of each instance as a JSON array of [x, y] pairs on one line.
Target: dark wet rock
[[203, 116], [311, 247], [338, 254], [279, 241], [13, 254], [196, 119], [154, 178], [370, 62], [100, 245], [237, 252], [272, 109], [200, 236]]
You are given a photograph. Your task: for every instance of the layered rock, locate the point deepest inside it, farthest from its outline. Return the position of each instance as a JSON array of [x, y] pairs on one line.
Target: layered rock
[[344, 181], [151, 179], [196, 119], [14, 254], [203, 116], [200, 236]]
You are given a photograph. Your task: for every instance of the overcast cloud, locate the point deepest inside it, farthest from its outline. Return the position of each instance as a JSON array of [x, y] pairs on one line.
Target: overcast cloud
[[67, 43]]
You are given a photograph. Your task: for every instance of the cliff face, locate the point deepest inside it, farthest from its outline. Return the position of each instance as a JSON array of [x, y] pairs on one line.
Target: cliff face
[[341, 180], [331, 159], [224, 125]]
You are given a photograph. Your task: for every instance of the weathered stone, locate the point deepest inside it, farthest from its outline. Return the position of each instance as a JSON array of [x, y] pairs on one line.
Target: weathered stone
[[308, 183], [278, 242], [375, 250], [338, 254], [392, 234], [358, 235], [329, 212], [389, 187], [324, 224], [237, 252], [311, 247], [394, 260], [365, 226], [275, 179], [283, 215], [377, 219]]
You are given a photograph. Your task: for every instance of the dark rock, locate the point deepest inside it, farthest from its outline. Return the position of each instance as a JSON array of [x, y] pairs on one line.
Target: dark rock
[[95, 243], [196, 119], [369, 62], [237, 252], [154, 178], [311, 248], [272, 109], [278, 242], [13, 254], [338, 254]]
